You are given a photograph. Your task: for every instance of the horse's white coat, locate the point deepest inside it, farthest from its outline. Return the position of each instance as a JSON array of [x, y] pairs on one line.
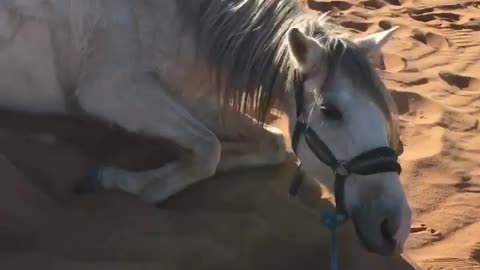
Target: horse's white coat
[[362, 128], [100, 55]]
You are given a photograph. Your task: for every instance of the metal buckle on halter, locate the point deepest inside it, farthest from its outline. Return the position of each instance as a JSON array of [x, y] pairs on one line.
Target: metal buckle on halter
[[301, 119], [341, 169]]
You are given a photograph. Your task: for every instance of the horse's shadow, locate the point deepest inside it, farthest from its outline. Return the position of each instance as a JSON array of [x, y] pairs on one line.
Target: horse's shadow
[[236, 220], [251, 213]]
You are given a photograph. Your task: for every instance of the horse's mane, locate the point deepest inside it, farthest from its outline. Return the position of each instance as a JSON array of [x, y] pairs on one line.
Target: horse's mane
[[244, 44]]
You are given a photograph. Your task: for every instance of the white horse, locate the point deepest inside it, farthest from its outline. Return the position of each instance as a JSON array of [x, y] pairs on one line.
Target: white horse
[[202, 72]]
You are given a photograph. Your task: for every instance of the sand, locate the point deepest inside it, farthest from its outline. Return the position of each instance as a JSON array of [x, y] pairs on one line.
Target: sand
[[243, 220], [432, 65]]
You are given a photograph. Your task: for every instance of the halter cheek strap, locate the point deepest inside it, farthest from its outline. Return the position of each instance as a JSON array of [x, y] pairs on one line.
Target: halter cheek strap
[[378, 160]]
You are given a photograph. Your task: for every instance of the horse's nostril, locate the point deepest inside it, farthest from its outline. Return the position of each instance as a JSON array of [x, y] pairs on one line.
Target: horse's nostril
[[387, 232]]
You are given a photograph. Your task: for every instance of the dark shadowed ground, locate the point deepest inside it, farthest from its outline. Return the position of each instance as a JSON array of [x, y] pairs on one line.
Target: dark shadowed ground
[[240, 220]]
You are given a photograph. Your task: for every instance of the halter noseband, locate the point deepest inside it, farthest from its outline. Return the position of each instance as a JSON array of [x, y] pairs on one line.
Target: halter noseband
[[378, 160]]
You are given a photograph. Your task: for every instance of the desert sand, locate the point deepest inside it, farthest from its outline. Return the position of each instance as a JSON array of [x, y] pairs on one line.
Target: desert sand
[[243, 220], [432, 66]]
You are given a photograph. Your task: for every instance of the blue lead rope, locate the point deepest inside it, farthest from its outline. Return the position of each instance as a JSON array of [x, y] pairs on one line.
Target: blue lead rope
[[329, 219], [332, 220]]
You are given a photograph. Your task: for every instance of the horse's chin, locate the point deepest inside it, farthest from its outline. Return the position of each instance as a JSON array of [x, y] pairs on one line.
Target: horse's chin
[[379, 243]]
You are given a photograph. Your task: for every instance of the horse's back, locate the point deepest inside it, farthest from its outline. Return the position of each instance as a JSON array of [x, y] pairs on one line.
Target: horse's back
[[28, 69], [46, 45], [43, 47]]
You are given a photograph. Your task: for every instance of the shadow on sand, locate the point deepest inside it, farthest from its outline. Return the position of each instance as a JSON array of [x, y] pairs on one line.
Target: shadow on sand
[[238, 220]]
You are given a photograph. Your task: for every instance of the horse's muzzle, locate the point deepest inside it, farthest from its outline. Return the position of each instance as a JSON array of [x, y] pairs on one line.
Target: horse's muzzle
[[378, 233]]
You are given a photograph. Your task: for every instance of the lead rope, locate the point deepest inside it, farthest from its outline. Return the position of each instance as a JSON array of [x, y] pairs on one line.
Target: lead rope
[[332, 220], [329, 219]]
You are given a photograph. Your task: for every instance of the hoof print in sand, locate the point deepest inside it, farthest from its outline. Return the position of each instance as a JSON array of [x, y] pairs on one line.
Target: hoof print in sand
[[475, 253], [395, 2], [407, 101], [385, 25], [464, 183], [460, 82], [390, 62], [356, 26], [423, 228], [471, 25], [428, 14], [325, 6], [418, 228], [372, 4], [432, 40]]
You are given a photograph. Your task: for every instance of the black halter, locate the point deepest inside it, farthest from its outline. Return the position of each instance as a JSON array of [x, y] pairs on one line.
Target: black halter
[[378, 160]]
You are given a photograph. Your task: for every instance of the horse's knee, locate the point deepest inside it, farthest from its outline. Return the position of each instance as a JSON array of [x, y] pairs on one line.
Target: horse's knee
[[207, 154], [274, 146], [89, 183]]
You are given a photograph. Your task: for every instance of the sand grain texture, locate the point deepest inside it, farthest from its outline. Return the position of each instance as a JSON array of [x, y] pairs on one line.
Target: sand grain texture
[[433, 67]]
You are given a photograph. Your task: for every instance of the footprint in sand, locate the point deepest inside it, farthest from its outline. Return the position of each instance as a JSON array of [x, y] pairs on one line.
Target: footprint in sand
[[464, 83], [473, 25], [320, 6], [356, 26], [342, 5], [446, 16], [418, 228], [475, 253], [395, 2], [325, 6], [372, 4], [406, 101], [450, 6], [420, 11], [428, 14], [423, 228], [391, 62], [464, 183], [433, 40], [385, 25], [435, 117]]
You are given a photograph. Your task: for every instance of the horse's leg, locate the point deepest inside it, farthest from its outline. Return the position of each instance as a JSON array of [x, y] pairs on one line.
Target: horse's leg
[[245, 142], [140, 105], [248, 144]]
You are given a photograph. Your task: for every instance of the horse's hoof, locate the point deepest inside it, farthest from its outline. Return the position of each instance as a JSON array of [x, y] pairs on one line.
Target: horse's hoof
[[89, 184]]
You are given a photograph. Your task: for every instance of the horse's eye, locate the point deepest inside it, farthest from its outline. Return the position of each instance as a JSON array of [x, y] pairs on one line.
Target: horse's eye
[[331, 112]]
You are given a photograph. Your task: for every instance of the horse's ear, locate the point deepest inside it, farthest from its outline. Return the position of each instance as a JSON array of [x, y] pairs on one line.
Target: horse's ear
[[373, 43], [307, 52]]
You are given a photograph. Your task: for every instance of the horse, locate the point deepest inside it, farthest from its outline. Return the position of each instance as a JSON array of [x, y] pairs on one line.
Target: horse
[[205, 74]]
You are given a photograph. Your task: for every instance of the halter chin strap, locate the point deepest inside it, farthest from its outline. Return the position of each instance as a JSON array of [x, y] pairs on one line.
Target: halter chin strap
[[378, 160]]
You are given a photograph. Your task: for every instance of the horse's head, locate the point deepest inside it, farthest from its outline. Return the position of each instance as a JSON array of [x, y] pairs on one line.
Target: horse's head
[[349, 123]]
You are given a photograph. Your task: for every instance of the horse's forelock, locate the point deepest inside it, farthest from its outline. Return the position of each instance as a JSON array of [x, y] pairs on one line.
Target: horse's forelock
[[355, 64]]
